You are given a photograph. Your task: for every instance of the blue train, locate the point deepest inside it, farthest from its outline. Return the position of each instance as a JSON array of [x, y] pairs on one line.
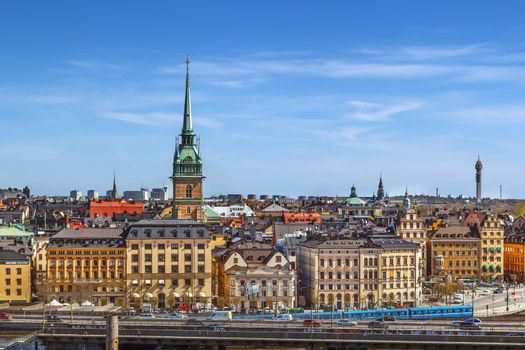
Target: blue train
[[413, 313]]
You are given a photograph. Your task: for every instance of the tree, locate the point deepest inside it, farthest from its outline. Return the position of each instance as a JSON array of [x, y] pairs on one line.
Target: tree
[[83, 292], [44, 290], [172, 301]]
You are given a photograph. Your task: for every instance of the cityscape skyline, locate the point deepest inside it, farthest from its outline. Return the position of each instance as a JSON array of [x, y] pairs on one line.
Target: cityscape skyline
[[419, 109]]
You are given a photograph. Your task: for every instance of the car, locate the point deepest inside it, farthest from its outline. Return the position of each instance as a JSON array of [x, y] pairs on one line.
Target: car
[[472, 321], [346, 322], [377, 325], [312, 323], [53, 318], [147, 316], [455, 323], [386, 318], [5, 316], [175, 315], [498, 290], [194, 321], [283, 317], [485, 292]]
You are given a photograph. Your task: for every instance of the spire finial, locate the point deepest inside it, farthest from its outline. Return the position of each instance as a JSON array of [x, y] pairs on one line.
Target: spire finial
[[187, 61]]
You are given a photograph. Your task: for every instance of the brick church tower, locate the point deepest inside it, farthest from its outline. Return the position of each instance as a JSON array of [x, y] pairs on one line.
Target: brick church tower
[[187, 168]]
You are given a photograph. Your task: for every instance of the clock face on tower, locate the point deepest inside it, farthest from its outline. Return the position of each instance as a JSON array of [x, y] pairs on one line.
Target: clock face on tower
[[187, 168]]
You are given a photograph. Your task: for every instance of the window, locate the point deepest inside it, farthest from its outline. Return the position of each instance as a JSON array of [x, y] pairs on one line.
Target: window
[[161, 257], [188, 210], [8, 271], [187, 282], [189, 191], [8, 292], [147, 268], [147, 246], [147, 257], [175, 282], [201, 269], [187, 246], [7, 282], [162, 269], [161, 246], [18, 281], [187, 269], [187, 257], [278, 258], [201, 282], [200, 257], [19, 271], [201, 246], [134, 269], [174, 246], [174, 257], [135, 258], [135, 246], [175, 268]]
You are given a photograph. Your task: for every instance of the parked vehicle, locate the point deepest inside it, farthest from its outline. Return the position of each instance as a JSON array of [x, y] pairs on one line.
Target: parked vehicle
[[485, 292], [458, 298], [312, 323], [5, 316], [498, 290], [472, 321], [377, 325], [346, 322], [283, 317], [175, 315], [147, 316]]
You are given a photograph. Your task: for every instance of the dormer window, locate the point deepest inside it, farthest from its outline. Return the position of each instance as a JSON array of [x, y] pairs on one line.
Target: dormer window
[[174, 233]]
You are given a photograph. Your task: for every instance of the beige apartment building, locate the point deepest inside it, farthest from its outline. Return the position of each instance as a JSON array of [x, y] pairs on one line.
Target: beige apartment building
[[347, 273], [412, 228], [169, 263]]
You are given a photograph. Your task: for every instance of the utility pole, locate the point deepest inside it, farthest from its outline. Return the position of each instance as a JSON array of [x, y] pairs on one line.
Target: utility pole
[[507, 297]]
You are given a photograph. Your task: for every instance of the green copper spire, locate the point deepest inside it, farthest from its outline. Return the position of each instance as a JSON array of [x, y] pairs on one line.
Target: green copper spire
[[187, 128]]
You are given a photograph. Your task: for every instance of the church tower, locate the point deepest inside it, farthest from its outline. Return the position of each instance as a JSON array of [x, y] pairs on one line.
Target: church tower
[[187, 167], [380, 189]]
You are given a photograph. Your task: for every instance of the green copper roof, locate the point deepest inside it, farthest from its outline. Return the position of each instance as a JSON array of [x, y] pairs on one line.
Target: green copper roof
[[210, 213], [14, 231], [186, 125], [354, 201]]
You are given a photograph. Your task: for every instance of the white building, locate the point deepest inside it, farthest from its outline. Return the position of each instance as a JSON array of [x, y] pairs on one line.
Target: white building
[[233, 211], [92, 194], [75, 195], [139, 196]]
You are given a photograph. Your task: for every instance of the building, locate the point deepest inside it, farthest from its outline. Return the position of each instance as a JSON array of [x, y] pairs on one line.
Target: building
[[380, 189], [254, 276], [492, 235], [234, 211], [75, 195], [412, 228], [160, 194], [169, 263], [455, 252], [109, 208], [14, 237], [346, 273], [92, 194], [87, 264], [139, 196], [478, 168], [514, 258], [187, 168], [302, 217], [15, 277]]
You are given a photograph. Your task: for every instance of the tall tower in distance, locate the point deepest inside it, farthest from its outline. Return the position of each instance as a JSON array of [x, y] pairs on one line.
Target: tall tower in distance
[[187, 167], [478, 167]]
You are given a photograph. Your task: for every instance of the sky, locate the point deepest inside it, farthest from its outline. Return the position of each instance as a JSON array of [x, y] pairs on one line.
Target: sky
[[288, 97]]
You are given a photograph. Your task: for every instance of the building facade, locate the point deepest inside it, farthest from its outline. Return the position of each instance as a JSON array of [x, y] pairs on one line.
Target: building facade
[[412, 228], [87, 264], [359, 273], [168, 263], [15, 277], [187, 168], [514, 258]]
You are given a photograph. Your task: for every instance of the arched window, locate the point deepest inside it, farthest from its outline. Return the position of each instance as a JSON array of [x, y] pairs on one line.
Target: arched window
[[188, 210], [189, 191]]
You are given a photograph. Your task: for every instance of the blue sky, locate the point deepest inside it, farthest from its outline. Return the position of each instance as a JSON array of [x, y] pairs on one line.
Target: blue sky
[[289, 97]]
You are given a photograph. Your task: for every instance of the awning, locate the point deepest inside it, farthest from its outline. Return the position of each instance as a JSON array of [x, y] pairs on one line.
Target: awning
[[135, 295], [176, 294], [148, 295], [201, 295]]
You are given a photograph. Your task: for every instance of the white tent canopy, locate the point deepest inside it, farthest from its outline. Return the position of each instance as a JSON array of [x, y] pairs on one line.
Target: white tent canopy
[[87, 303], [54, 302]]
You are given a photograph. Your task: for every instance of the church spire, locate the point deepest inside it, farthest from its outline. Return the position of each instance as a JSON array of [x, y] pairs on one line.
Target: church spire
[[187, 127], [380, 189], [114, 190]]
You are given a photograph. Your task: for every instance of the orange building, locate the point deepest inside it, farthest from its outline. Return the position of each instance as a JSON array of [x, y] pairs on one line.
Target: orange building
[[514, 258], [106, 208], [302, 218]]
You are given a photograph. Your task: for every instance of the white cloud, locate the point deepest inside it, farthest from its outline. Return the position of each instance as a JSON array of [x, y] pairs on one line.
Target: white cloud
[[94, 65], [373, 112], [158, 119]]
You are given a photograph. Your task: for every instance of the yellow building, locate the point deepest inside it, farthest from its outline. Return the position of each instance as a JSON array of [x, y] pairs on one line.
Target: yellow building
[[455, 252], [87, 264], [169, 263], [492, 235], [15, 277]]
